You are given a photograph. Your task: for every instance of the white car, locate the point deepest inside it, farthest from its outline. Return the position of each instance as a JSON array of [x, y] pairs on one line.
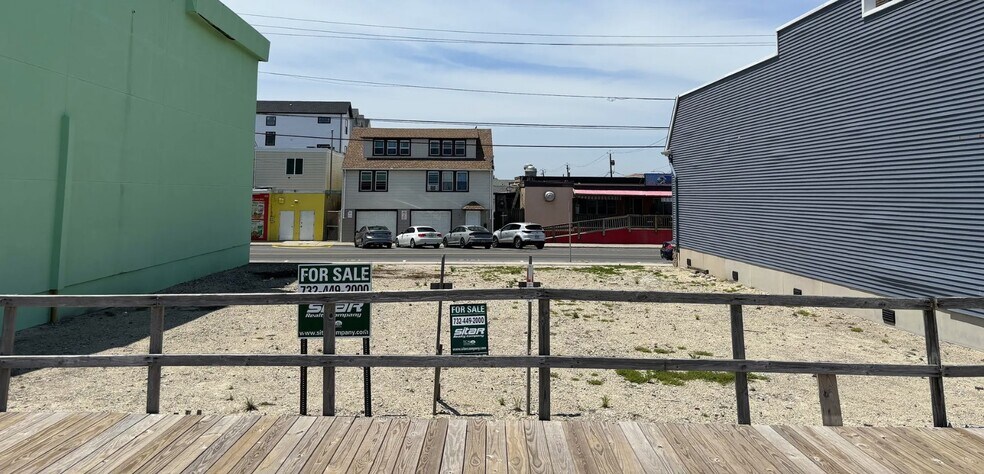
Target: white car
[[419, 236], [467, 236], [519, 234]]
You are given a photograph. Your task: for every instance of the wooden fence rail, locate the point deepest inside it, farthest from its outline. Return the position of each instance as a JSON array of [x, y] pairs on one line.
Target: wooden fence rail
[[826, 372]]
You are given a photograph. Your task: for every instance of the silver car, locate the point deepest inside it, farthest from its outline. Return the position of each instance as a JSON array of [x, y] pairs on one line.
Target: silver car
[[467, 236], [519, 234], [419, 236]]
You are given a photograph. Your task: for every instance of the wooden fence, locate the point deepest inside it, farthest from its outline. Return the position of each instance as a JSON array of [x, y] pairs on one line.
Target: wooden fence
[[826, 372]]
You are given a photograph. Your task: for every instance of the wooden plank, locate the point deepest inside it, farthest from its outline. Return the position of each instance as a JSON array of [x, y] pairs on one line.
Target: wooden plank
[[409, 456], [496, 460], [543, 342], [349, 445], [475, 445], [154, 370], [261, 447], [738, 353], [38, 440], [8, 419], [124, 438], [719, 453], [650, 459], [366, 455], [830, 440], [234, 449], [767, 452], [328, 373], [937, 399], [580, 448], [561, 459], [278, 456], [7, 348], [131, 460], [64, 442], [453, 458], [536, 445], [624, 453], [830, 406], [876, 446], [794, 455], [688, 455], [950, 452], [83, 450], [828, 458], [978, 432], [602, 449], [323, 453], [217, 434], [517, 454], [295, 460], [390, 450], [27, 427], [403, 361], [960, 440], [164, 457], [432, 450]]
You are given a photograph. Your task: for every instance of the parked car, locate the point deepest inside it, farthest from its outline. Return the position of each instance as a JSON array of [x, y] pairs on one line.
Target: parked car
[[519, 234], [370, 235], [467, 236], [666, 251], [419, 236]]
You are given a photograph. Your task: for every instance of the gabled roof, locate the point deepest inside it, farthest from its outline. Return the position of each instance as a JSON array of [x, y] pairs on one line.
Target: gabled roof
[[302, 107], [355, 155]]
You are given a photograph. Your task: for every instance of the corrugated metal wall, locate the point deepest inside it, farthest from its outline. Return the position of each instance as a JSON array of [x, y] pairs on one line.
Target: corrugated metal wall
[[855, 157]]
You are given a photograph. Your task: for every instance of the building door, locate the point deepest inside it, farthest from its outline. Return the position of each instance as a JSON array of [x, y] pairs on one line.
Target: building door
[[473, 217], [383, 218], [286, 225], [439, 220], [307, 225]]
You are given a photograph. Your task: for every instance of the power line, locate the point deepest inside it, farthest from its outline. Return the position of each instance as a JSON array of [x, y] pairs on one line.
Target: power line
[[502, 33], [460, 89], [494, 144], [423, 39], [502, 124]]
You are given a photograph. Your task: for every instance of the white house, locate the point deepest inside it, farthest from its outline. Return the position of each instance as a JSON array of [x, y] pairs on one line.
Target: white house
[[298, 124]]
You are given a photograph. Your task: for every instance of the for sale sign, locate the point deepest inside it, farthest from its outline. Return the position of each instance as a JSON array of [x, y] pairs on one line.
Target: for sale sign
[[351, 319], [469, 329]]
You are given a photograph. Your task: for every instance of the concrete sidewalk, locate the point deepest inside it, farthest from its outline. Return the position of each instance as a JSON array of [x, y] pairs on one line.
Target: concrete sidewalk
[[326, 244]]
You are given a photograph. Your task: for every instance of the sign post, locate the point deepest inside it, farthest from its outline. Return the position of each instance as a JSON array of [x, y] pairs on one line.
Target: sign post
[[438, 348], [469, 329]]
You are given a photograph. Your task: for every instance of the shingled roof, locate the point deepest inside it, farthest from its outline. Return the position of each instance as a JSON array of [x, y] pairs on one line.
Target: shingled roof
[[302, 107], [355, 157]]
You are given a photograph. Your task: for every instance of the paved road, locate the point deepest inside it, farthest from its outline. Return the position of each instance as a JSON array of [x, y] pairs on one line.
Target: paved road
[[550, 254]]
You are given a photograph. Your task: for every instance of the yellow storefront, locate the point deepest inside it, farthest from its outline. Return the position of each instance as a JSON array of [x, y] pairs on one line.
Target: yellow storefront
[[296, 216]]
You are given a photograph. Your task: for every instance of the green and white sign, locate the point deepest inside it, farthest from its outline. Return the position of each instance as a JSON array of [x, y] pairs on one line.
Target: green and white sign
[[351, 319], [469, 329]]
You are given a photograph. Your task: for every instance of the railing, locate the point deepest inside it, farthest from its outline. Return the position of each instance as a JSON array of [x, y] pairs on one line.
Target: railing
[[934, 369], [604, 224]]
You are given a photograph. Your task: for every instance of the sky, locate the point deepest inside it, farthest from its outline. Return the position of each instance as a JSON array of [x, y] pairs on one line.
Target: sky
[[663, 72]]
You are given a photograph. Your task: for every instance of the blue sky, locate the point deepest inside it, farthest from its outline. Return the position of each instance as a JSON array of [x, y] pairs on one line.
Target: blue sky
[[649, 72]]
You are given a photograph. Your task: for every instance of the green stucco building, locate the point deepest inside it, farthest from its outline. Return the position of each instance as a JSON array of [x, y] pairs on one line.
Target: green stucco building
[[127, 129]]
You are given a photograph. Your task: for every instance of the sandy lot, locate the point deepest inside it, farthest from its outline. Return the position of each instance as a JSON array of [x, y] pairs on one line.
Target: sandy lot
[[597, 329]]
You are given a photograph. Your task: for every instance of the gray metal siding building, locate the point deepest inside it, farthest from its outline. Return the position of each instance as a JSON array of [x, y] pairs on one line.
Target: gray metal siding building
[[855, 156]]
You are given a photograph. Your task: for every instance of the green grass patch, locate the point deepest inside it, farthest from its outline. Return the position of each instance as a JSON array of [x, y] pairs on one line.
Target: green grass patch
[[803, 312], [699, 354], [660, 350], [681, 378], [854, 329], [495, 273], [643, 349], [607, 270], [595, 382]]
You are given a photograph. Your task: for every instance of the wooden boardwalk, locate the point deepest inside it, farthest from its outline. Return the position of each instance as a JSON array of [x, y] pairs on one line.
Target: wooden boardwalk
[[109, 442]]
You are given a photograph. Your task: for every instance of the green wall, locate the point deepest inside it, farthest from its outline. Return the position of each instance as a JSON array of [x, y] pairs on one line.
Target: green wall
[[128, 144]]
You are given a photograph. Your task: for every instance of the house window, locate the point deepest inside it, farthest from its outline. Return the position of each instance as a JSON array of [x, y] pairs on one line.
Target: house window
[[447, 181], [433, 181], [324, 119], [323, 145], [295, 165], [459, 148], [391, 146], [435, 148], [872, 6], [404, 147], [461, 181], [378, 147], [271, 139], [365, 181], [271, 120], [447, 147], [380, 181]]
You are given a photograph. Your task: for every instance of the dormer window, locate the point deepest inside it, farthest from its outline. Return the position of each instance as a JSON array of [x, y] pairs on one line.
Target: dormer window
[[872, 6]]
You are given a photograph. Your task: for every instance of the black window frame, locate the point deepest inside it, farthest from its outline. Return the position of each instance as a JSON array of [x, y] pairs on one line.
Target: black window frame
[[378, 147], [324, 119], [271, 120], [365, 185], [431, 148], [376, 181], [464, 148], [427, 183], [457, 181], [270, 139], [295, 166], [447, 147], [403, 145], [396, 147], [441, 174], [451, 182]]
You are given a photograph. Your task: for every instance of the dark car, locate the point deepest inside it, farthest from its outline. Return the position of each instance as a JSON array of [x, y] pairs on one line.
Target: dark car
[[370, 235], [667, 250], [467, 236]]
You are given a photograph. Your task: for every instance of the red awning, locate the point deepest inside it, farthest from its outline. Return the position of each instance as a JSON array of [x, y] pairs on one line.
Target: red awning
[[621, 192]]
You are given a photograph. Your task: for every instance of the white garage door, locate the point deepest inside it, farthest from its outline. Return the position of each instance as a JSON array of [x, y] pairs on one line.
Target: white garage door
[[439, 220], [383, 218]]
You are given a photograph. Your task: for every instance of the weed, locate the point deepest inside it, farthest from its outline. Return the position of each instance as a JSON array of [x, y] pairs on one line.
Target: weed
[[637, 280], [502, 401], [575, 379], [681, 378], [643, 349], [803, 312], [266, 404], [595, 382], [248, 405], [229, 397], [554, 375], [517, 404], [885, 341], [697, 317], [682, 348], [855, 329], [594, 374], [607, 270], [605, 402], [660, 350], [698, 354]]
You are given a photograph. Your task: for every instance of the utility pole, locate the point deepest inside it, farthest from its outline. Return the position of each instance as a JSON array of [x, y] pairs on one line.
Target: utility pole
[[568, 165], [611, 166]]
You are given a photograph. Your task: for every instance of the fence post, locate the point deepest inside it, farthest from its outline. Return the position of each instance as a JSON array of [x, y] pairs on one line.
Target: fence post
[[543, 335], [328, 372], [830, 405], [7, 348], [738, 353], [154, 370], [933, 358]]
